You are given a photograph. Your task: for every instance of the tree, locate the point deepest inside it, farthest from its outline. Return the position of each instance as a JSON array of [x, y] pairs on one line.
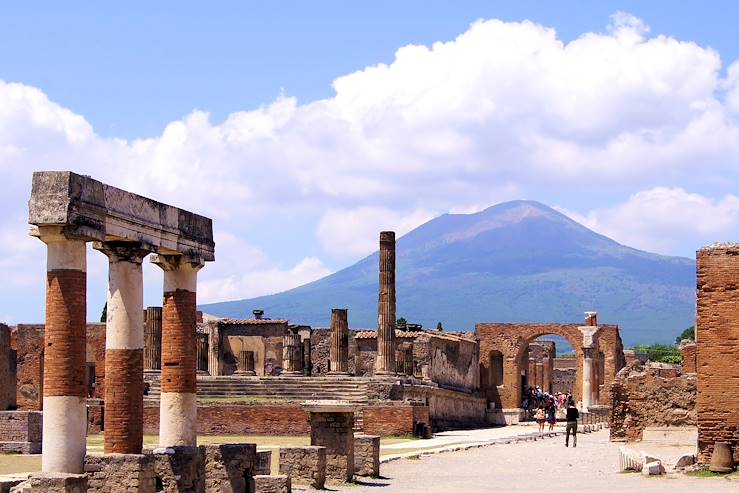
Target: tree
[[401, 323], [660, 353], [439, 327], [688, 334], [104, 314]]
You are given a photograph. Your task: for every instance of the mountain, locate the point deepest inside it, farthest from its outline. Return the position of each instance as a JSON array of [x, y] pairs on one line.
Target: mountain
[[518, 261]]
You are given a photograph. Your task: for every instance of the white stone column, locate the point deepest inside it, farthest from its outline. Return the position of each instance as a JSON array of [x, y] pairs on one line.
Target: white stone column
[[178, 402], [65, 382], [587, 378], [124, 348]]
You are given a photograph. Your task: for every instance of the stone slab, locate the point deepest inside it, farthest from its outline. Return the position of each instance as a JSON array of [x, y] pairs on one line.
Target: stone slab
[[270, 484]]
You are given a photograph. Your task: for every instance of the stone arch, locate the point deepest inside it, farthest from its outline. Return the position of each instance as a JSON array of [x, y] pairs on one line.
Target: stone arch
[[512, 341]]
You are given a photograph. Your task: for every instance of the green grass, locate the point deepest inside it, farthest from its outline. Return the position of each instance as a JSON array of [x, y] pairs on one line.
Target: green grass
[[705, 473]]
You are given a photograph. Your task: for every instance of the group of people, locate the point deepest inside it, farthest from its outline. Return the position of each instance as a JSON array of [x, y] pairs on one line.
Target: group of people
[[544, 407]]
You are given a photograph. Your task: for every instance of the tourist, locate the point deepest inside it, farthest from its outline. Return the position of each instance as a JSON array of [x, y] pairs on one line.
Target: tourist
[[540, 417], [572, 416], [551, 411]]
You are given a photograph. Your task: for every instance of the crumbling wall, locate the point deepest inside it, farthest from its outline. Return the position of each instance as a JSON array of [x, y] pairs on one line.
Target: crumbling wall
[[717, 338], [655, 394], [688, 350], [320, 346], [449, 361], [7, 382], [563, 380], [28, 343]]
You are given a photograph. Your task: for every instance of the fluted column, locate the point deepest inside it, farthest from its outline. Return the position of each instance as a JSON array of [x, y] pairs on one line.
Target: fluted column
[[153, 339], [339, 350], [178, 405], [64, 386], [292, 354], [385, 363], [124, 348], [246, 364]]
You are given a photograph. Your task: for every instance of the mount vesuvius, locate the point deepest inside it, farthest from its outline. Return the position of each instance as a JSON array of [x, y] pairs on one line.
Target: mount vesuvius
[[518, 261]]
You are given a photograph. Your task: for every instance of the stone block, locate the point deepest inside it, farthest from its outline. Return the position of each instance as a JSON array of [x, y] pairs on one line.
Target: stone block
[[367, 455], [629, 460], [264, 463], [7, 483], [179, 469], [120, 473], [228, 467], [653, 469], [270, 484], [304, 464], [685, 461], [57, 483]]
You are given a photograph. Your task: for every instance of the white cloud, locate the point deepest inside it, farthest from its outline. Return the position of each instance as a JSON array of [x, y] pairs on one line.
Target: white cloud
[[355, 232], [667, 220], [503, 107]]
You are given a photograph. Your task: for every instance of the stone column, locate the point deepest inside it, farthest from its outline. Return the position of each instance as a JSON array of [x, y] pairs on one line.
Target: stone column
[[292, 354], [546, 364], [532, 372], [153, 339], [124, 348], [202, 354], [408, 370], [246, 364], [64, 376], [339, 350], [587, 378], [214, 349], [307, 362], [385, 363], [178, 406], [400, 360]]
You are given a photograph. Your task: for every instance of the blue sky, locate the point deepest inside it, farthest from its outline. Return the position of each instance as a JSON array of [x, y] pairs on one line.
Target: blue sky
[[303, 128]]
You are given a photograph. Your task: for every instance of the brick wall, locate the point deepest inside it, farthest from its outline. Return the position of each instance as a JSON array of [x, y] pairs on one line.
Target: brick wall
[[717, 333], [20, 431], [28, 342], [652, 395], [7, 384], [388, 420], [688, 351]]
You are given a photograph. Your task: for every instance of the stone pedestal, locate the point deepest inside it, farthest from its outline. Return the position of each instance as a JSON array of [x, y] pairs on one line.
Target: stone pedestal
[[57, 483], [385, 363], [304, 464], [179, 468], [120, 473], [246, 364], [332, 426], [366, 455], [339, 350], [153, 339], [229, 467], [270, 484]]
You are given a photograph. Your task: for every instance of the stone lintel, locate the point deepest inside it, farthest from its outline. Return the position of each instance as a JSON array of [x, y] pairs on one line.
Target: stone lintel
[[90, 210], [329, 407]]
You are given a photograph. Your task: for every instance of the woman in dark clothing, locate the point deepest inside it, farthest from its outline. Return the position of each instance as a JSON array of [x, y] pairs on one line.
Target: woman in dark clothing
[[572, 416]]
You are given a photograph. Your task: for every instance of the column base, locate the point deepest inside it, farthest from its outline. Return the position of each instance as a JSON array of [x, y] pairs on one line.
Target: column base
[[291, 374], [339, 374], [244, 373], [385, 373], [202, 372]]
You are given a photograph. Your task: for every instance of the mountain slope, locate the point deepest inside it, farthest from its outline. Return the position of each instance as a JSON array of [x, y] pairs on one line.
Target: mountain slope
[[519, 261]]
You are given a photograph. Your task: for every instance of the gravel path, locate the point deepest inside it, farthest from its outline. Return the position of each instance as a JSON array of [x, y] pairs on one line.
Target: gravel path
[[545, 464]]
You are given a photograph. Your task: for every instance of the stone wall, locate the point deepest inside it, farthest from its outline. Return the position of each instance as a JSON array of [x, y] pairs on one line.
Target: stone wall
[[319, 351], [717, 336], [448, 409], [28, 343], [366, 455], [656, 394], [304, 465], [20, 431], [564, 380], [688, 350], [447, 360]]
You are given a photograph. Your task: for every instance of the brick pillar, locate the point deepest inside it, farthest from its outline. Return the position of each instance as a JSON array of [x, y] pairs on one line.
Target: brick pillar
[[385, 363], [292, 354], [153, 339], [546, 365], [65, 379], [124, 349], [246, 363], [178, 405], [339, 350], [717, 356]]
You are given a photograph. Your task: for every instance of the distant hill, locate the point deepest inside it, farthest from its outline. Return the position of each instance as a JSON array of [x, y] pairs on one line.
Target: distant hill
[[518, 261]]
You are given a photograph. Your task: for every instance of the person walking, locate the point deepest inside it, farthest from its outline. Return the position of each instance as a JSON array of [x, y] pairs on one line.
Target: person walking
[[551, 411], [540, 417], [572, 416]]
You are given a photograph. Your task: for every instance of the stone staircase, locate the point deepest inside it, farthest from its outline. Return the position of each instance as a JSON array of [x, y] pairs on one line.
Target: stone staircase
[[266, 389]]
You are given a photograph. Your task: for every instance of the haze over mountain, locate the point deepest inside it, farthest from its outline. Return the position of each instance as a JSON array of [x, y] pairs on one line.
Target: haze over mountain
[[518, 261]]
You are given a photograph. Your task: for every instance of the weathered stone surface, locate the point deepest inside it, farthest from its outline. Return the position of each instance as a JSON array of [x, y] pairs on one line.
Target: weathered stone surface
[[366, 455], [94, 211], [263, 466], [6, 484], [304, 464], [651, 395], [55, 483], [653, 469], [270, 484], [229, 467], [179, 469], [20, 431], [334, 430], [685, 461], [120, 473], [629, 460]]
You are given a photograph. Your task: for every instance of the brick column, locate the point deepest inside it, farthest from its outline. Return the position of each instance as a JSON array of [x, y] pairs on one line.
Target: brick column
[[339, 350], [385, 363], [65, 388], [153, 339], [124, 349], [178, 405], [292, 354]]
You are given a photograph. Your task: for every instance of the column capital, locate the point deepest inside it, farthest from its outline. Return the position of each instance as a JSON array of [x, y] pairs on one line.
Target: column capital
[[51, 234], [173, 262], [122, 251]]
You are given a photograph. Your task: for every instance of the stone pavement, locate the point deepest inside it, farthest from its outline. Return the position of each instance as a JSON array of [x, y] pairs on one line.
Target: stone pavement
[[544, 465]]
